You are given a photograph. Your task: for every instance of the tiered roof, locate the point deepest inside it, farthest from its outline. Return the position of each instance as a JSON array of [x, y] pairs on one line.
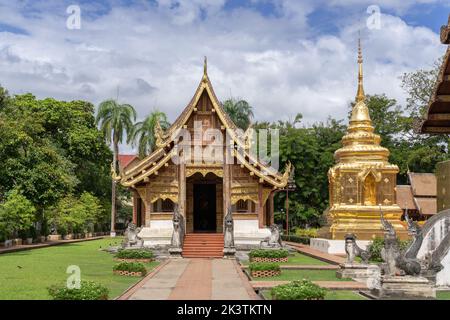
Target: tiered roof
[[438, 114], [160, 157]]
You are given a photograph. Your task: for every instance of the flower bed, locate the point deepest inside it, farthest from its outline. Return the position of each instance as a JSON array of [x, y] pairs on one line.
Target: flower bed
[[264, 259], [134, 269], [262, 255], [264, 269], [143, 256], [88, 291], [298, 290]]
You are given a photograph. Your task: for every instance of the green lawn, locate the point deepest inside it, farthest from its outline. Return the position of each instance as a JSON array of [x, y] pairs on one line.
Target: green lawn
[[331, 295], [27, 274], [299, 258], [443, 295], [313, 275]]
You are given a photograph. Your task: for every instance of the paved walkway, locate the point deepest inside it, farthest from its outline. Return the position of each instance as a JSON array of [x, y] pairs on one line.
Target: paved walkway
[[332, 285], [307, 250], [195, 279], [45, 244]]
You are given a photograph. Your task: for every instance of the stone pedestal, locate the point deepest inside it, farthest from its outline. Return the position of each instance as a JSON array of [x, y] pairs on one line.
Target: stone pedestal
[[175, 252], [405, 287], [356, 271], [229, 252]]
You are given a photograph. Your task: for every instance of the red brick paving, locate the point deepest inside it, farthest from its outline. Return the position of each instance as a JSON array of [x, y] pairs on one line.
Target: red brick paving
[[334, 285], [307, 250], [195, 283]]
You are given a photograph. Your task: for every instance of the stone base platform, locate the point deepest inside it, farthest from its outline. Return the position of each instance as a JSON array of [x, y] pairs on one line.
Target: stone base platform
[[356, 271], [334, 246], [404, 287]]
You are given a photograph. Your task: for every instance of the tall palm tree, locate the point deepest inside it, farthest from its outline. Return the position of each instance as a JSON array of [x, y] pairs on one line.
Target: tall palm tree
[[143, 132], [115, 120], [240, 111]]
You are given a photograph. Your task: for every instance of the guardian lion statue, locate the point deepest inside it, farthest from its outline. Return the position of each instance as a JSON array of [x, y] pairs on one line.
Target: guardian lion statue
[[131, 236], [274, 240]]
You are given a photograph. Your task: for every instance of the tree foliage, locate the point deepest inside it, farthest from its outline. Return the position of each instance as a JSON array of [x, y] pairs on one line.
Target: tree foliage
[[240, 111]]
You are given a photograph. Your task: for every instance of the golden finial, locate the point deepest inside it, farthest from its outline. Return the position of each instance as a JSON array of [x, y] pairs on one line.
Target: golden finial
[[360, 96], [205, 66]]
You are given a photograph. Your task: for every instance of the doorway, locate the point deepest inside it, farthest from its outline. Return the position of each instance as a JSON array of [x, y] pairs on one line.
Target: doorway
[[204, 208]]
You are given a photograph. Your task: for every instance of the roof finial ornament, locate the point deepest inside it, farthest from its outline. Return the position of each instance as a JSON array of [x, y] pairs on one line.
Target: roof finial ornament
[[205, 66], [360, 96]]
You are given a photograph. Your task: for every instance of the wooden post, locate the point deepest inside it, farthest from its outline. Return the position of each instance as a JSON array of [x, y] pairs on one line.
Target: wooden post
[[182, 191], [271, 208], [260, 206], [135, 206], [226, 189]]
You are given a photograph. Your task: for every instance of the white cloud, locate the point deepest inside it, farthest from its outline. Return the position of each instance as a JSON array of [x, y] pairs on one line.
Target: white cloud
[[154, 55]]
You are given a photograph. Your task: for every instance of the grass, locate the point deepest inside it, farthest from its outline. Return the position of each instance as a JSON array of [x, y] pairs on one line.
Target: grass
[[300, 259], [443, 295], [27, 274], [331, 295], [313, 275]]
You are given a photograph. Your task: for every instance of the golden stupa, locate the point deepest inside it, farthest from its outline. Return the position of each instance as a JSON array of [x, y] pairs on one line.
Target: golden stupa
[[362, 179]]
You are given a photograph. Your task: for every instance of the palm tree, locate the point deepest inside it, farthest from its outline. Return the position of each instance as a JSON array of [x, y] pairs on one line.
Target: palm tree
[[240, 111], [143, 132], [115, 119]]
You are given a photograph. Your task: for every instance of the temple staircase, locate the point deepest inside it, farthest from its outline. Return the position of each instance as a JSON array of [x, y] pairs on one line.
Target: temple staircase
[[203, 245]]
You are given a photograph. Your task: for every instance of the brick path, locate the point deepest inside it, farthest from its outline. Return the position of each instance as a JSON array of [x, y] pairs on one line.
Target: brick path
[[307, 250], [194, 279], [332, 285], [45, 244]]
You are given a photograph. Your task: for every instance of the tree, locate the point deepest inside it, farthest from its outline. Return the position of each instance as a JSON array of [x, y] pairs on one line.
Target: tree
[[16, 214], [115, 120], [240, 111], [143, 132]]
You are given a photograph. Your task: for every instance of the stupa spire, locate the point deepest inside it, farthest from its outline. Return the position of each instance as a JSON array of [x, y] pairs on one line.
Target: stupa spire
[[360, 96]]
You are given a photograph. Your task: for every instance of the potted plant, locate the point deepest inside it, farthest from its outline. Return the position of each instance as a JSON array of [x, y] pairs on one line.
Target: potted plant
[[134, 255], [264, 269], [134, 269], [264, 255]]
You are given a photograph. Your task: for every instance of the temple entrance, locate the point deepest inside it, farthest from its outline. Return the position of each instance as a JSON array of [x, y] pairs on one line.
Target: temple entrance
[[204, 208]]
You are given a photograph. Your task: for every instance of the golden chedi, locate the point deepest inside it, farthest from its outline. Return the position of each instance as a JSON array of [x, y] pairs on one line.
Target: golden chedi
[[362, 179]]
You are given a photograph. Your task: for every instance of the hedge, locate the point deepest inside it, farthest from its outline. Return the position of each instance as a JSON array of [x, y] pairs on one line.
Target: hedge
[[297, 239], [130, 267], [298, 290], [134, 254], [263, 253], [261, 266], [88, 290]]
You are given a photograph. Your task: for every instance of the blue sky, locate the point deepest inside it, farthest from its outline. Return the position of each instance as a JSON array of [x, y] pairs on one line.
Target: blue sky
[[283, 56]]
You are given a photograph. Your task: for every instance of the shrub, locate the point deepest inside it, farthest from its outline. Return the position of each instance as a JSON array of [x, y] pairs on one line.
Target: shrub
[[377, 245], [297, 239], [89, 290], [130, 267], [262, 253], [306, 233], [298, 290], [261, 266], [134, 254]]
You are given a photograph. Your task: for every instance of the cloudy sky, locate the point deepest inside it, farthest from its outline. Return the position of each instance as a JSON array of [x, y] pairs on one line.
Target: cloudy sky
[[283, 56]]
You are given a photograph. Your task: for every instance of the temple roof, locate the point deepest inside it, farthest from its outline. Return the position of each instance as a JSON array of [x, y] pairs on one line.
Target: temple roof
[[438, 113], [165, 145]]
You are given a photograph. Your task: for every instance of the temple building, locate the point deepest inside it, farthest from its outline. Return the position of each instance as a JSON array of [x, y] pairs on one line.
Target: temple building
[[193, 169], [437, 120], [362, 181], [419, 196]]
